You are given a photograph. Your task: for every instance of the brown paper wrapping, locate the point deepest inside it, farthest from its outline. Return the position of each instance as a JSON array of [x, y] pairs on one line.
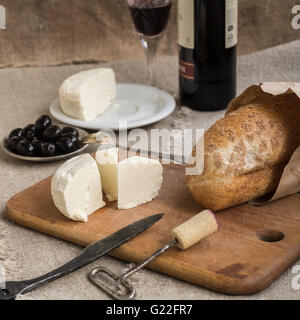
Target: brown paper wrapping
[[290, 181]]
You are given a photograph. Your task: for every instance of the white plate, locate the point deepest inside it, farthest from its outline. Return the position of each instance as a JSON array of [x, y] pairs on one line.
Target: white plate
[[137, 104]]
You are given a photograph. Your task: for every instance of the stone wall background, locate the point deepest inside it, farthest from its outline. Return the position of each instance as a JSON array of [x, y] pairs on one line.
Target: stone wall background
[[54, 32]]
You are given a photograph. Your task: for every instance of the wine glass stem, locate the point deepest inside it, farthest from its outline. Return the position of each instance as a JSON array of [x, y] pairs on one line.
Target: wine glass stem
[[150, 45]]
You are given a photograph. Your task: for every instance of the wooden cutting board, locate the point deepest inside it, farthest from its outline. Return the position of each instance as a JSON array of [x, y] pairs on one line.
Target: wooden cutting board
[[231, 261]]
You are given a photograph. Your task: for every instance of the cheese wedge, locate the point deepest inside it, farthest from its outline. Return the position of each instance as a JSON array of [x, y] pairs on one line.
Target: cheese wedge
[[139, 181], [76, 188], [108, 161], [87, 94], [132, 181]]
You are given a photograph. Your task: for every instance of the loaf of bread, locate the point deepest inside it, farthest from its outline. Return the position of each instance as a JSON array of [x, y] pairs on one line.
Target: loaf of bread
[[246, 151]]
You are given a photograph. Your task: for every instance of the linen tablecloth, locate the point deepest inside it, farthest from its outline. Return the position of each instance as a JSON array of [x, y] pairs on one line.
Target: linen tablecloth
[[26, 93]]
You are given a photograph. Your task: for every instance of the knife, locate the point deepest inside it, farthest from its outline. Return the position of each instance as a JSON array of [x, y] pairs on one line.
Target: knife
[[88, 255]]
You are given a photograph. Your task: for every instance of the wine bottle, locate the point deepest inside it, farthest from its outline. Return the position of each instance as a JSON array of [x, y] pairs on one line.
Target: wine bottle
[[207, 31]]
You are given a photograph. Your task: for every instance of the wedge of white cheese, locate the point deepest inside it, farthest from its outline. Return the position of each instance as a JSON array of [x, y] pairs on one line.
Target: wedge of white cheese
[[87, 94], [76, 188], [139, 181], [108, 161], [133, 181]]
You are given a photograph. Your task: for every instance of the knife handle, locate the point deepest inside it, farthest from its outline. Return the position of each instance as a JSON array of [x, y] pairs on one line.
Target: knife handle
[[197, 228], [12, 288]]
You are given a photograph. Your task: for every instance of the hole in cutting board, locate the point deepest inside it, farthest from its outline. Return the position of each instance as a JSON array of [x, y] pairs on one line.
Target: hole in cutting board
[[270, 235]]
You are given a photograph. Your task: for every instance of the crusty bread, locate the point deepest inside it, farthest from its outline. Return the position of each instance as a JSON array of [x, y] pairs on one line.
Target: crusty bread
[[245, 152]]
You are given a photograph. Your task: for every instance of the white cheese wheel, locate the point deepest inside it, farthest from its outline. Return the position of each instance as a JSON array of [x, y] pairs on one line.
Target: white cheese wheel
[[76, 188], [87, 94]]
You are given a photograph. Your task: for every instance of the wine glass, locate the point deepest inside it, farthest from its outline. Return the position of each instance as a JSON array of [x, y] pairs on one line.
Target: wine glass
[[150, 18]]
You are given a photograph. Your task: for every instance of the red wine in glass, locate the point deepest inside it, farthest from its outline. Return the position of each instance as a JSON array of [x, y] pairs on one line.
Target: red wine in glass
[[150, 18], [151, 21]]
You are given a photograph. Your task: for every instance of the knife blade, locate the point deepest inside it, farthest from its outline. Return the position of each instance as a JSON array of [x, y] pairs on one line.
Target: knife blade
[[88, 255]]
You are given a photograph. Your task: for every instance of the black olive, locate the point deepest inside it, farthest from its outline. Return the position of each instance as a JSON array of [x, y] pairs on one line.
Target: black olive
[[30, 127], [71, 137], [65, 145], [13, 142], [37, 144], [42, 123], [71, 130], [48, 149], [52, 133], [30, 135], [25, 148], [16, 133]]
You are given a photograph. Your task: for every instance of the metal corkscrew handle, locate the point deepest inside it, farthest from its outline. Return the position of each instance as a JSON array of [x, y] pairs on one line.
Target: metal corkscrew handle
[[184, 236]]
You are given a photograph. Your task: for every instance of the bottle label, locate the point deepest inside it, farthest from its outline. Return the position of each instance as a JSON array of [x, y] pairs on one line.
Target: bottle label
[[231, 20], [186, 34], [186, 70]]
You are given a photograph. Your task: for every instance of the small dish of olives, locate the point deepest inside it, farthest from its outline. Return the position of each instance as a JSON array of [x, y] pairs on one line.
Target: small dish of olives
[[44, 141]]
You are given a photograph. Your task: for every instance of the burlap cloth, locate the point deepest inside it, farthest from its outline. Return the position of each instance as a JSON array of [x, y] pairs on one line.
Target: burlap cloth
[[26, 93]]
